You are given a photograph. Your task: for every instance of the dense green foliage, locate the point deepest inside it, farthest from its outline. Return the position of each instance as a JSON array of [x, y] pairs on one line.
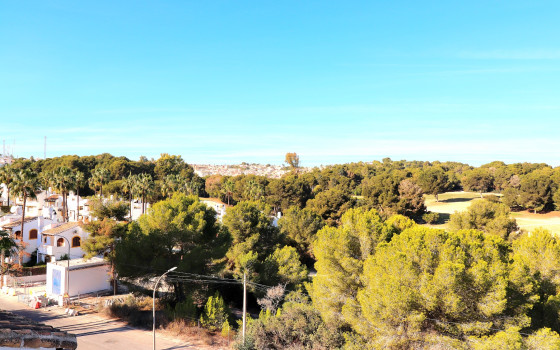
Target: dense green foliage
[[180, 231], [487, 216], [382, 281]]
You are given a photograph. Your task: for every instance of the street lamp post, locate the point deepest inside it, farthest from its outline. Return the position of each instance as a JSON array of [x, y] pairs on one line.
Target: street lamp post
[[68, 269], [154, 303]]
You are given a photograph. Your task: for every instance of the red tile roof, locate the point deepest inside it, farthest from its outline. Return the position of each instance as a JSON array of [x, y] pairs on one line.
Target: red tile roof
[[52, 198], [16, 223], [61, 228], [215, 200]]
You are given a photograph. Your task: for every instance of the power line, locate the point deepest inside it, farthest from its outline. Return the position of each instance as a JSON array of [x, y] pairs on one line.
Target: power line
[[178, 276]]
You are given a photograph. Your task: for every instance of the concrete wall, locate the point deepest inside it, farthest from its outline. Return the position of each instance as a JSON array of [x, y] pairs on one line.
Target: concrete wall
[[82, 280], [89, 280], [25, 279]]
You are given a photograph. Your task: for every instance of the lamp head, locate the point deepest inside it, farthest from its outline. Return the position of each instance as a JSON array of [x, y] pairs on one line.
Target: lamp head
[[171, 269]]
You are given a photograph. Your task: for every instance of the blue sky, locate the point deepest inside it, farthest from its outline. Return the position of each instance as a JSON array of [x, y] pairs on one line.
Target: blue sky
[[233, 81]]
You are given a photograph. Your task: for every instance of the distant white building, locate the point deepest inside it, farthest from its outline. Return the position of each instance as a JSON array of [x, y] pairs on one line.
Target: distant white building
[[73, 208], [216, 204], [4, 160]]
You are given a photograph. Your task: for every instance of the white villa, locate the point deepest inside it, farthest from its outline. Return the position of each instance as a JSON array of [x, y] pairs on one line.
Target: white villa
[[37, 235], [32, 229], [55, 240]]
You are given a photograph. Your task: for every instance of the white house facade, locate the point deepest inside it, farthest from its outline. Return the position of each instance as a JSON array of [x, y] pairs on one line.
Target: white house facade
[[31, 236], [62, 239]]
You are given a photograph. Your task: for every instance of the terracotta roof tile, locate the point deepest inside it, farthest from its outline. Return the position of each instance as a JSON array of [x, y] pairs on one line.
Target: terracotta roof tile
[[215, 200], [16, 223], [61, 228], [17, 330], [52, 198]]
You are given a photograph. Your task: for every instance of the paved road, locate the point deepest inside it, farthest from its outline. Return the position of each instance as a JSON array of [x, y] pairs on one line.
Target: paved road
[[95, 332]]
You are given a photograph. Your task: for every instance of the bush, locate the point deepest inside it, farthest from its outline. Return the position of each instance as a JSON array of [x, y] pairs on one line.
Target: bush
[[184, 310], [295, 323], [215, 313], [493, 198], [430, 217], [64, 257], [226, 329]]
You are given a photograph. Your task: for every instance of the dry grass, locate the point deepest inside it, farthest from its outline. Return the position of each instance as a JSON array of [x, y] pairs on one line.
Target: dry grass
[[188, 331], [137, 311], [529, 221]]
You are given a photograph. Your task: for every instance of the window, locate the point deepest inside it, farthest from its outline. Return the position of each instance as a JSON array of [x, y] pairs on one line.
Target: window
[[60, 242], [18, 235], [33, 234], [45, 239], [76, 242]]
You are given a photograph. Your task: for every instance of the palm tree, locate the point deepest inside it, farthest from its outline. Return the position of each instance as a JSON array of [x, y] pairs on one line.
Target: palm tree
[[144, 185], [7, 175], [99, 177], [228, 189], [129, 186], [7, 244], [63, 181], [24, 186], [254, 190], [170, 185], [192, 187], [79, 181]]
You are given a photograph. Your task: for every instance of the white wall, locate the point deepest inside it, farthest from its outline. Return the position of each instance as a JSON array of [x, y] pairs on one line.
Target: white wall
[[82, 280], [89, 280]]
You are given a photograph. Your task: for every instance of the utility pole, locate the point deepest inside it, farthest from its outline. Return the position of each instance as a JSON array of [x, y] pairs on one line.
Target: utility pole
[[244, 304]]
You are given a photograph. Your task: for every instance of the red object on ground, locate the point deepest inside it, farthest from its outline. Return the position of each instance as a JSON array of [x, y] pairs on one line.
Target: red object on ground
[[37, 304]]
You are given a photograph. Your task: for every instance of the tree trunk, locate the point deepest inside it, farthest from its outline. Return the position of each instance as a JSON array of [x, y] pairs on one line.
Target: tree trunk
[[436, 195], [101, 191], [64, 205], [130, 206], [481, 194], [3, 257], [113, 274], [8, 190], [67, 215], [20, 255], [78, 203]]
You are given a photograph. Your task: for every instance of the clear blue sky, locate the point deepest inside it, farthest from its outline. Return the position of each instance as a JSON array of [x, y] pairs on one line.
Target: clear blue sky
[[233, 81]]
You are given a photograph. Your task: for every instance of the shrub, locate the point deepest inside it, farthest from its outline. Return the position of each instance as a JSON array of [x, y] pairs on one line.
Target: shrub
[[431, 217], [493, 198], [226, 329], [185, 310], [215, 313]]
